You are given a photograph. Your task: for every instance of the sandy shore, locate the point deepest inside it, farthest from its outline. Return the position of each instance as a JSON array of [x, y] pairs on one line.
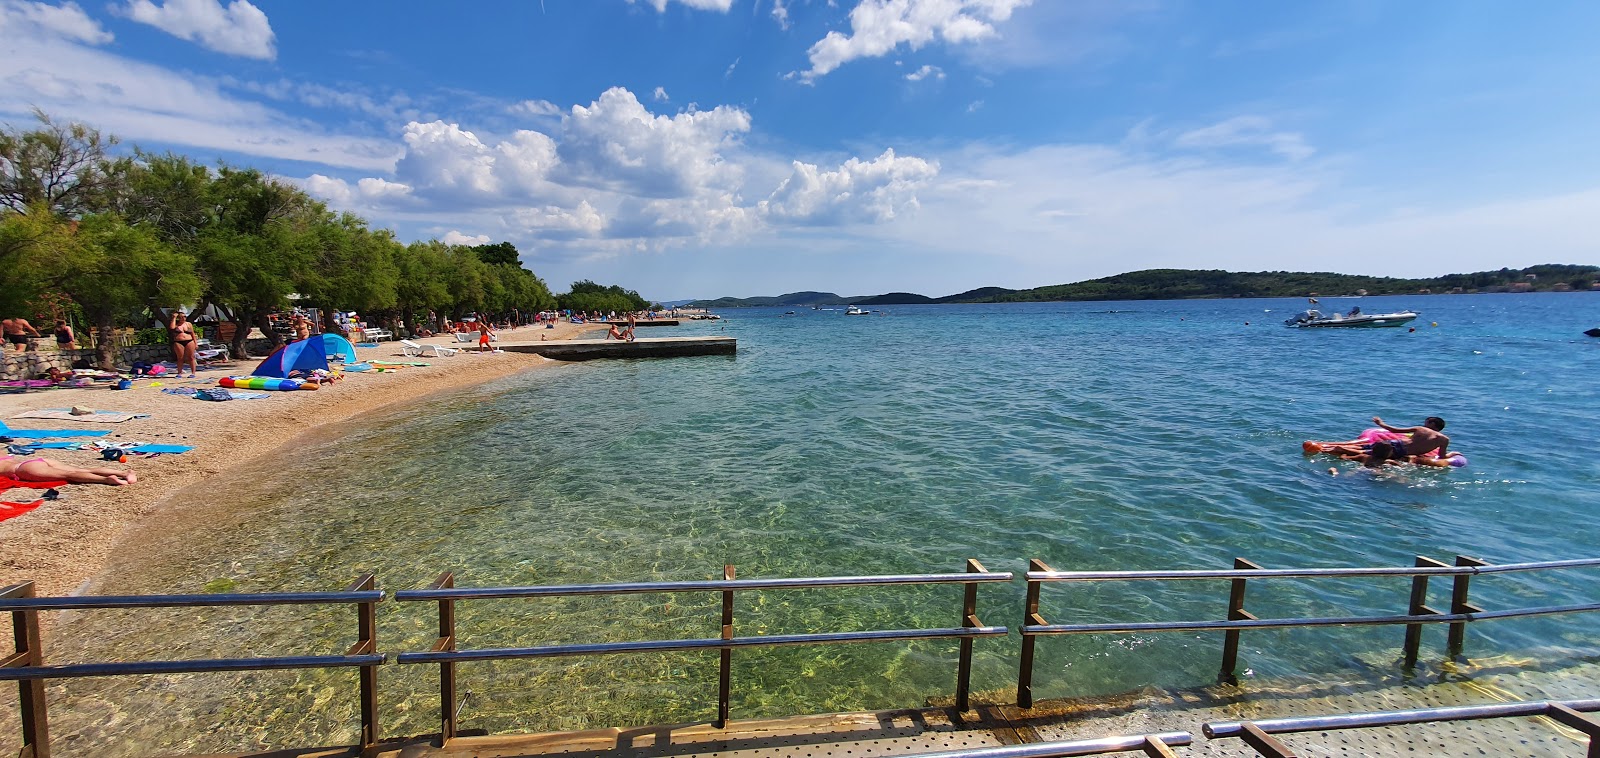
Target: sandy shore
[[64, 543]]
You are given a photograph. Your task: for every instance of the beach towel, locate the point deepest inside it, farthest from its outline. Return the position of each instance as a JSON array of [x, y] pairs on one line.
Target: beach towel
[[148, 449], [39, 434], [60, 445], [95, 417], [13, 510], [28, 383]]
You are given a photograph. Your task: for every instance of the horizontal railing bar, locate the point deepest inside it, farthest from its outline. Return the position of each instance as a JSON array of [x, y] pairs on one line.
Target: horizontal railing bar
[[190, 667], [1202, 626], [1308, 573], [775, 640], [1074, 747], [709, 585], [93, 602], [1395, 718]]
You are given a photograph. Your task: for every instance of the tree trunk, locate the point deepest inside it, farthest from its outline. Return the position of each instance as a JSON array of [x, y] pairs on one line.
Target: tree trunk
[[265, 325], [105, 349]]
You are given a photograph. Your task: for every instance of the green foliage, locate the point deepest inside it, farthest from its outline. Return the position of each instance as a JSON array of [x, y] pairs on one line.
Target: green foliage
[[499, 253], [155, 335], [588, 296], [58, 169], [1174, 284]]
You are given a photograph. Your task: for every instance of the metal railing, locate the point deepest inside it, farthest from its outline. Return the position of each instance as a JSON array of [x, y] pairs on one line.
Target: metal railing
[[1153, 745], [26, 665], [1238, 619], [1258, 734], [446, 654]]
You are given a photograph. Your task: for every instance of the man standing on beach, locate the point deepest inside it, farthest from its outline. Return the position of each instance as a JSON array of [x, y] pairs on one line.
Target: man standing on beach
[[14, 328], [484, 333]]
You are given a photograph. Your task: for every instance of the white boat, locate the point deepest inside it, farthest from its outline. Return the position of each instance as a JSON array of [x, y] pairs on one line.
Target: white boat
[[1355, 318], [856, 311]]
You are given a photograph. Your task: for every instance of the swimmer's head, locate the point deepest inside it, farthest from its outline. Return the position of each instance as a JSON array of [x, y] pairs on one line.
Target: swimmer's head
[[1378, 454], [1434, 422]]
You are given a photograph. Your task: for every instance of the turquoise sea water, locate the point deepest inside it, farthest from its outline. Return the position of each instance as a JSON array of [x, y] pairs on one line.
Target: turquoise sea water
[[1130, 435]]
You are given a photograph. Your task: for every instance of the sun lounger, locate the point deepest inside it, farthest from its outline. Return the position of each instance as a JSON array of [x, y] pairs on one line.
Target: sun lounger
[[409, 348]]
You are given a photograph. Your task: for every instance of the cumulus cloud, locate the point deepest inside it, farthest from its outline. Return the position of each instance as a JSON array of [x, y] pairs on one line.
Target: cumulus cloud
[[536, 108], [616, 144], [366, 192], [67, 21], [857, 191], [441, 156], [926, 72], [661, 94], [879, 26], [239, 29], [454, 237], [1247, 131]]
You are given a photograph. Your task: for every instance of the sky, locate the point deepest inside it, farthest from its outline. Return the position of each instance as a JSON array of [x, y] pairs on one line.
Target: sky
[[707, 148]]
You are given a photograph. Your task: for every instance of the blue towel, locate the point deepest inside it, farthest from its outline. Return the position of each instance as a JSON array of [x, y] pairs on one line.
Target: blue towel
[[161, 449], [67, 445], [39, 434]]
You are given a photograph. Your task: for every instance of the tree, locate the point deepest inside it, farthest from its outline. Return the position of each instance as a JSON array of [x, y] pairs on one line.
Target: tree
[[499, 253], [59, 169], [115, 271]]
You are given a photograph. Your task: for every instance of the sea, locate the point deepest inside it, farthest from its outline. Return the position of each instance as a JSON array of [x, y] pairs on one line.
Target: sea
[[1147, 435]]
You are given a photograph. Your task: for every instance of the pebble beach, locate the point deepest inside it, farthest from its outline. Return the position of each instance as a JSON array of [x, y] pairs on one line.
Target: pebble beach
[[64, 543]]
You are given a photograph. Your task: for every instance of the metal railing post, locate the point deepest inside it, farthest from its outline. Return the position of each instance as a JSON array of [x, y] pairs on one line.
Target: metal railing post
[[1236, 612], [1418, 607], [1459, 604], [725, 657], [1030, 615], [447, 669], [28, 651], [367, 644], [969, 619]]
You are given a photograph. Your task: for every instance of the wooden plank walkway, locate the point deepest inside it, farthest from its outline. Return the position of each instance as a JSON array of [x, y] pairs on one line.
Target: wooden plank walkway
[[648, 347]]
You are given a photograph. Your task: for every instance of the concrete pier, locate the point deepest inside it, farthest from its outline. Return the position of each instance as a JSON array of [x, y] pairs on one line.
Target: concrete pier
[[649, 347], [641, 322]]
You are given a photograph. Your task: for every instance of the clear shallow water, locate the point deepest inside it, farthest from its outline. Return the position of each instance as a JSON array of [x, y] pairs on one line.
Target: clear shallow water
[[1135, 435]]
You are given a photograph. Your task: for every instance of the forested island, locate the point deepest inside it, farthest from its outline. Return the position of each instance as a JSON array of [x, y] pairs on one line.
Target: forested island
[[1183, 284]]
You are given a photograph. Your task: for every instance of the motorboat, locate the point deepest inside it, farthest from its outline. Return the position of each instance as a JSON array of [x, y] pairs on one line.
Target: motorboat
[[1355, 318], [856, 311]]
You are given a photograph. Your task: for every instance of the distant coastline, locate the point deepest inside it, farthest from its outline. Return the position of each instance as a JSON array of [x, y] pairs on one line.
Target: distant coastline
[[1186, 284]]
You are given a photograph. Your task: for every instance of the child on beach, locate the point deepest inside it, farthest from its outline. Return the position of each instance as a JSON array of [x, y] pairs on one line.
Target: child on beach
[[46, 470]]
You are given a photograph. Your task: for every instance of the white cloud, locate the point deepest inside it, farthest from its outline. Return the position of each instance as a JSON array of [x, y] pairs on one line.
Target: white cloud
[[239, 29], [974, 106], [704, 5], [855, 192], [441, 156], [925, 72], [780, 14], [877, 27], [615, 143], [661, 94], [537, 108], [1249, 131], [366, 193], [67, 21], [454, 237], [50, 68]]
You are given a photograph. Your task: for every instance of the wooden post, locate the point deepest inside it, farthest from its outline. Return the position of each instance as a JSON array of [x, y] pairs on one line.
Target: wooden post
[[1030, 616], [969, 619], [1264, 743], [367, 644], [725, 671], [29, 651], [1459, 604], [1418, 607], [1236, 612], [447, 669]]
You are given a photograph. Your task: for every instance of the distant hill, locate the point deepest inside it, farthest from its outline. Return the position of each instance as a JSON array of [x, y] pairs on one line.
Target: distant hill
[[793, 298], [1179, 284]]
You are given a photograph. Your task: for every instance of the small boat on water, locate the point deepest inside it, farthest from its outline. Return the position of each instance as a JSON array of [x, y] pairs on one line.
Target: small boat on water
[[1355, 318], [856, 311]]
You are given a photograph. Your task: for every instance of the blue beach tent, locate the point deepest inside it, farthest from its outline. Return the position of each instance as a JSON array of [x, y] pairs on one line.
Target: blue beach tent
[[306, 355]]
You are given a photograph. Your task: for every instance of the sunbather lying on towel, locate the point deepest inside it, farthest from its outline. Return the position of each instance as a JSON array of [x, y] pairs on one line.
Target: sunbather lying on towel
[[46, 470]]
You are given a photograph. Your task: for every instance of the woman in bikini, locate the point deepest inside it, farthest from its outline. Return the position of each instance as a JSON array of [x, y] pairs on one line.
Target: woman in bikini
[[46, 470], [181, 332]]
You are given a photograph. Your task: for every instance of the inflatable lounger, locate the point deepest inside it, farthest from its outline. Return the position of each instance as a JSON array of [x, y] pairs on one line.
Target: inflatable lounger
[[264, 383]]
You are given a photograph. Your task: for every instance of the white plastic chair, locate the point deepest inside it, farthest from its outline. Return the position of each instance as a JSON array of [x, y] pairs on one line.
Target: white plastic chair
[[409, 348], [439, 351]]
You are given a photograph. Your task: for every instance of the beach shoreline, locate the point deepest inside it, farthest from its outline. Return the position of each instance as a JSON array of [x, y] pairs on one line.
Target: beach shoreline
[[65, 544]]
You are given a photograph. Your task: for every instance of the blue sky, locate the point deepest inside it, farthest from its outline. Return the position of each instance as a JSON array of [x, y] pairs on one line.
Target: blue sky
[[689, 148]]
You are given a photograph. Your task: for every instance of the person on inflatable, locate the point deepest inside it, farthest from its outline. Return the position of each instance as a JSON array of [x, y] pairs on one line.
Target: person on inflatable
[[1404, 442]]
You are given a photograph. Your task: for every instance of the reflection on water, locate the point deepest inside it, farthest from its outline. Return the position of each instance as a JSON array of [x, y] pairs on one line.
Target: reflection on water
[[1164, 437]]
